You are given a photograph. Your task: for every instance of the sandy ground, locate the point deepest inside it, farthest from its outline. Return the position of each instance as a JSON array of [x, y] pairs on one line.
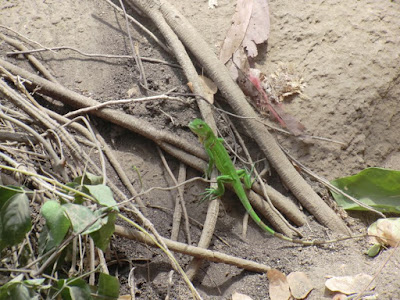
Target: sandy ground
[[348, 55]]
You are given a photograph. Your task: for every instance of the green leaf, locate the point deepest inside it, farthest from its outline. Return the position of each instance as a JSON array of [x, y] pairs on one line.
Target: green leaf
[[102, 194], [20, 292], [6, 192], [57, 223], [15, 219], [108, 286], [74, 289], [89, 178], [102, 236], [80, 217], [15, 289], [34, 282], [374, 250], [376, 187]]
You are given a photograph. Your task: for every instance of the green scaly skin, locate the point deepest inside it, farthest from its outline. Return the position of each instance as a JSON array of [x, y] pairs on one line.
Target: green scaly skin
[[220, 158]]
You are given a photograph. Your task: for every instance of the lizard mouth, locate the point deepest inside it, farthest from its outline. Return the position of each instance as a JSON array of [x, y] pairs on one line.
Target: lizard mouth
[[192, 127]]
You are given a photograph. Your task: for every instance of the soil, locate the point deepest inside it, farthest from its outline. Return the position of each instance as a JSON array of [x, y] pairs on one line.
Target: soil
[[348, 54]]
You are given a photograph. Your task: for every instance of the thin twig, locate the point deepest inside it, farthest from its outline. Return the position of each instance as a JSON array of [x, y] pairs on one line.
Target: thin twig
[[148, 32], [56, 162], [179, 204], [123, 101], [95, 55], [38, 65], [394, 250], [120, 171], [135, 51]]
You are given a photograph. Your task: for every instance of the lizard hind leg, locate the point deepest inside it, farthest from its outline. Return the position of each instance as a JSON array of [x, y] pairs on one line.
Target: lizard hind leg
[[245, 176]]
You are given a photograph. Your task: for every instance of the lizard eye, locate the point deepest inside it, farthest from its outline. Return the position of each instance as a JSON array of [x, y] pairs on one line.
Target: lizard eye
[[200, 126]]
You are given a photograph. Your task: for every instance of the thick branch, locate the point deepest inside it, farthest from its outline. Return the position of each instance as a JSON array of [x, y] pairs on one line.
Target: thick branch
[[193, 251]]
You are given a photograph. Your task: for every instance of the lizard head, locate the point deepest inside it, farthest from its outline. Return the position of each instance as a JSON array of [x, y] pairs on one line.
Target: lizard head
[[200, 128]]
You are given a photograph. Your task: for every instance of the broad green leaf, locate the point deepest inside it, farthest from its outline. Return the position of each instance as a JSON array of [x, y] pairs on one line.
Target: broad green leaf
[[102, 194], [13, 281], [34, 282], [102, 236], [80, 217], [376, 187], [14, 289], [15, 219], [74, 289], [6, 192], [20, 292], [57, 223], [108, 286], [78, 198], [89, 178]]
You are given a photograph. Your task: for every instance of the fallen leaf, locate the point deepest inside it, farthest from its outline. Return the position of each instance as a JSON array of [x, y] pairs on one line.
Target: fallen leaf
[[258, 28], [376, 187], [278, 285], [374, 250], [239, 296], [339, 296], [238, 63], [190, 85], [236, 33], [349, 284], [385, 231], [209, 88], [300, 285]]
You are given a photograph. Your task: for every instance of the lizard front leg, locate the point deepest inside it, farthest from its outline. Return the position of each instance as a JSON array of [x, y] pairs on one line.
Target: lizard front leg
[[211, 193]]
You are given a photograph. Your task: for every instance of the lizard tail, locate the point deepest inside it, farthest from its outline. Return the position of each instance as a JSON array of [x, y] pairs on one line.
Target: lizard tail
[[268, 229]]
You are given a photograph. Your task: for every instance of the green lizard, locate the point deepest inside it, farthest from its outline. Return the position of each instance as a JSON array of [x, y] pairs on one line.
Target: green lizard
[[220, 158]]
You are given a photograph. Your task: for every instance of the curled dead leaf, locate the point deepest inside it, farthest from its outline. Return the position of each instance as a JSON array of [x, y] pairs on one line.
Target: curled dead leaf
[[209, 88], [385, 231], [236, 33], [278, 285], [300, 285], [349, 284]]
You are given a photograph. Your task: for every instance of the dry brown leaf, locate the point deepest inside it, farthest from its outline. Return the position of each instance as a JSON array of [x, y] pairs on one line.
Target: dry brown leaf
[[209, 88], [190, 85], [385, 231], [300, 285], [278, 285], [258, 29], [349, 284], [236, 33], [339, 296], [239, 296]]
